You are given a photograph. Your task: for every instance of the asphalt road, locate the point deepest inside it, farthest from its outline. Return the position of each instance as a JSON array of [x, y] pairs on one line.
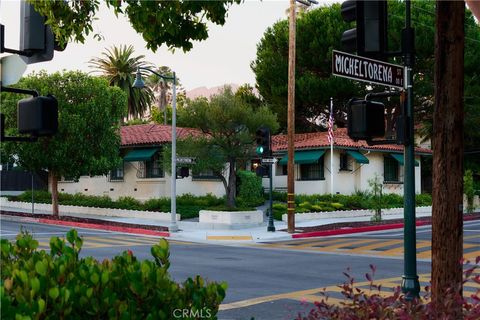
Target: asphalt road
[[272, 280]]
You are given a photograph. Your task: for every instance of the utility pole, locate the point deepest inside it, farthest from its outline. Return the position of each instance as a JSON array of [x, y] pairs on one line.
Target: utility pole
[[291, 120], [447, 143]]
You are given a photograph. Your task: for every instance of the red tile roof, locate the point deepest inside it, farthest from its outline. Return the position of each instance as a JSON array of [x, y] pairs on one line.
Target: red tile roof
[[145, 134], [341, 139], [148, 134]]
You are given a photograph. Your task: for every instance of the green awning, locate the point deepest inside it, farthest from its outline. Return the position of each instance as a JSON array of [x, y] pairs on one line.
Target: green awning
[[140, 154], [304, 157], [360, 158], [399, 158]]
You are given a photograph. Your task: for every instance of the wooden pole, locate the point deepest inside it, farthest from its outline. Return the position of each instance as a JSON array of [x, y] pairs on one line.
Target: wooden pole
[[291, 120], [447, 143]]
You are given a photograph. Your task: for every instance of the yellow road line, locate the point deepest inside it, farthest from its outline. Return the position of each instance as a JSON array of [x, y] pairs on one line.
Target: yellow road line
[[229, 237], [377, 245], [254, 301], [340, 245]]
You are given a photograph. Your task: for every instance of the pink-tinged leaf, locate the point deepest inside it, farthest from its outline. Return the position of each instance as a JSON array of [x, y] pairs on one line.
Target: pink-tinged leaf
[[477, 260], [367, 275], [373, 268]]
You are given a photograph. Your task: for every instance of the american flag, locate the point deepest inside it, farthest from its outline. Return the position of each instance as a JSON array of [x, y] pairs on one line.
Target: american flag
[[330, 123]]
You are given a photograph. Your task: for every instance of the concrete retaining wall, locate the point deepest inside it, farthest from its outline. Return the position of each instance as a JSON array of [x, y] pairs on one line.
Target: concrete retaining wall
[[231, 218], [351, 213], [5, 204]]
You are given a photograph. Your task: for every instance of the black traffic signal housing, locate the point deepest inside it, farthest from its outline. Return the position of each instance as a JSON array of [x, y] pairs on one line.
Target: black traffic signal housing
[[37, 41], [263, 142], [366, 119], [369, 37], [38, 116], [183, 172]]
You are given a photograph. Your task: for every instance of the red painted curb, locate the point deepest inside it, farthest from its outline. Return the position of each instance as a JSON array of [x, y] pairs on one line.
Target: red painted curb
[[105, 227], [354, 230]]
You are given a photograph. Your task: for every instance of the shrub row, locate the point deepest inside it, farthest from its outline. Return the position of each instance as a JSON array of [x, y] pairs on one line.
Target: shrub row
[[188, 205], [60, 285], [358, 200]]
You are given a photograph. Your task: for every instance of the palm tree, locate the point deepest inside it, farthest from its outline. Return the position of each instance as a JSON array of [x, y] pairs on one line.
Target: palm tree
[[162, 89], [119, 66]]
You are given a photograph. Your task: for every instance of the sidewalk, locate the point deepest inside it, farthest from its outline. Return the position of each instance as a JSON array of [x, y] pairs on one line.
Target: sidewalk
[[196, 232]]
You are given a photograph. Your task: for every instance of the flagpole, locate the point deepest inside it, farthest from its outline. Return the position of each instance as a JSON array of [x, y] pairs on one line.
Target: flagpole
[[331, 146]]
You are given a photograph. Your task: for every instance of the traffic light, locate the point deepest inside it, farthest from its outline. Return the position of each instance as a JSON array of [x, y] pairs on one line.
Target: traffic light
[[36, 39], [369, 38], [366, 119], [263, 141], [38, 116]]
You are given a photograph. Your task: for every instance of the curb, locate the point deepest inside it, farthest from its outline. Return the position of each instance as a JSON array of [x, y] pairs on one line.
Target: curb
[[363, 229], [105, 227]]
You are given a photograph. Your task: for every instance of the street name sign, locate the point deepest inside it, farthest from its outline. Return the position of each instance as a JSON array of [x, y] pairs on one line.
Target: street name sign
[[269, 160], [185, 160], [368, 70]]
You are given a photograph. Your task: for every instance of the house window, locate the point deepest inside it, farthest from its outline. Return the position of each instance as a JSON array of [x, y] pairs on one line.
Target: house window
[[282, 170], [313, 171], [151, 169], [390, 169], [154, 168], [206, 174], [345, 162], [117, 174]]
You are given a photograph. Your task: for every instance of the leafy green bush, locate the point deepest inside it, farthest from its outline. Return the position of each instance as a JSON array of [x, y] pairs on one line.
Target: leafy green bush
[[60, 285], [129, 203], [423, 200], [250, 190], [468, 189], [277, 196], [278, 210]]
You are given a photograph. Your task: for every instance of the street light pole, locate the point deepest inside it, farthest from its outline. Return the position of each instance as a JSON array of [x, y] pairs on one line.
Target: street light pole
[[139, 83], [410, 284]]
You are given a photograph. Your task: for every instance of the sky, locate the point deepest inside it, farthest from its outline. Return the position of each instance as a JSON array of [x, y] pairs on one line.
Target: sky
[[223, 58]]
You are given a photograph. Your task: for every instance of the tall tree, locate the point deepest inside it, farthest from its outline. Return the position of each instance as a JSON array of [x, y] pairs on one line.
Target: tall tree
[[228, 124], [119, 66], [447, 196], [88, 137], [319, 31], [174, 23]]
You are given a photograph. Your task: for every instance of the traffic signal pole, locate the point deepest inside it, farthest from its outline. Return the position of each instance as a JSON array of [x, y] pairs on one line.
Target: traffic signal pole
[[410, 284]]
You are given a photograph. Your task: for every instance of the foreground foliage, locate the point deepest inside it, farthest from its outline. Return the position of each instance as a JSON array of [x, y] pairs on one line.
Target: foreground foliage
[[375, 303], [61, 285]]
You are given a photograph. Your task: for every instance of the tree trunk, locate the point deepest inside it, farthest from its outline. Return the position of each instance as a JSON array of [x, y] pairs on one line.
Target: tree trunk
[[52, 177], [232, 184], [447, 143]]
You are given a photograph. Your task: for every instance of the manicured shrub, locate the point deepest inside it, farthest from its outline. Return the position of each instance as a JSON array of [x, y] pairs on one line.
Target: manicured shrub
[[305, 205], [422, 200], [278, 210], [129, 203], [250, 190], [61, 285]]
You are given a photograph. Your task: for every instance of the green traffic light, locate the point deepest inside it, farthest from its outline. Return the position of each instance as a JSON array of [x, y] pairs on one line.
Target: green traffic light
[[259, 150]]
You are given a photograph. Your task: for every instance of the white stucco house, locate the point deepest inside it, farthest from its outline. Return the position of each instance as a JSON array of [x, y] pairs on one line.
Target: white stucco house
[[142, 176], [354, 164]]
